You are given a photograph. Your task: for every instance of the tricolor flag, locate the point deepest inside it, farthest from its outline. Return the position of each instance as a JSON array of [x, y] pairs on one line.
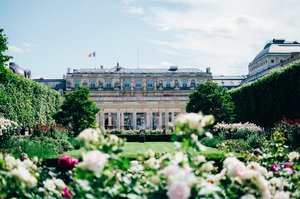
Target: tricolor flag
[[93, 54]]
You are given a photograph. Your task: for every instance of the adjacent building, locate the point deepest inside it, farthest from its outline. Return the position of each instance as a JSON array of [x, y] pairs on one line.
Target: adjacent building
[[56, 84], [276, 53], [132, 98], [228, 82], [14, 67]]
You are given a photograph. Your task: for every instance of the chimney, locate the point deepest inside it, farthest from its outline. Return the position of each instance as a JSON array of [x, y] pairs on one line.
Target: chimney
[[101, 67], [64, 76], [208, 70], [68, 70]]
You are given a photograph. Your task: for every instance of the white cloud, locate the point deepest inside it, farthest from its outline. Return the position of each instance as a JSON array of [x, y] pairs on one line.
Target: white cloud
[[223, 35], [135, 10], [165, 64], [15, 49]]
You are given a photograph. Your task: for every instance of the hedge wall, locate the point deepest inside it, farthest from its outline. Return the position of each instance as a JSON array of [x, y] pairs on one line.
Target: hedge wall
[[270, 98], [25, 101]]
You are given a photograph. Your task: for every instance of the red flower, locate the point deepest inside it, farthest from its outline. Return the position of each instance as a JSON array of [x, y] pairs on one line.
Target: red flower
[[66, 193], [67, 163], [274, 168], [289, 165]]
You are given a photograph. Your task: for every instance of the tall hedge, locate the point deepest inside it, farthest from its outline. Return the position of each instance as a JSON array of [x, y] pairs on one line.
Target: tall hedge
[[25, 101], [270, 98]]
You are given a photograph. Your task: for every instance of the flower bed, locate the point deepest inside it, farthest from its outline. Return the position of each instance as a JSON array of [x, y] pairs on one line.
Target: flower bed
[[272, 172]]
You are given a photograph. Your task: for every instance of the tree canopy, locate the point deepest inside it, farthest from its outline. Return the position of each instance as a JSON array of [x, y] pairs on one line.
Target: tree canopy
[[209, 98], [78, 111], [3, 47]]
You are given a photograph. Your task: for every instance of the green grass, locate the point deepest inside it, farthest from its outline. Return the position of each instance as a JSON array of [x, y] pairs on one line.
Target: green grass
[[132, 150]]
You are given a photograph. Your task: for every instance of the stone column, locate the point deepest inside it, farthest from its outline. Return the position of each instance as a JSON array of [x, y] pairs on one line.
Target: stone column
[[151, 120], [109, 119], [102, 118], [122, 120], [148, 120], [134, 120], [160, 120], [173, 118], [166, 118], [118, 119]]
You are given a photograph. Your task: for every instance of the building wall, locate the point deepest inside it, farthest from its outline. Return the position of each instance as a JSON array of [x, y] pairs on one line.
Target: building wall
[[136, 107]]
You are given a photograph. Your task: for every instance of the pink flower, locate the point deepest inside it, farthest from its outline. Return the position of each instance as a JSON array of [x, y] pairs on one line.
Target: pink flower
[[66, 193], [282, 195], [179, 190], [274, 168], [67, 163], [289, 165]]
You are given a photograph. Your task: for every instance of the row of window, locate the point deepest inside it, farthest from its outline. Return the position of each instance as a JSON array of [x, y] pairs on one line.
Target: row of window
[[138, 83]]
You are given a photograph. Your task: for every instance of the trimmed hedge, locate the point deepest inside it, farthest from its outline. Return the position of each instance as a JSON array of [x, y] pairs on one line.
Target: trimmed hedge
[[270, 98], [146, 138], [25, 101]]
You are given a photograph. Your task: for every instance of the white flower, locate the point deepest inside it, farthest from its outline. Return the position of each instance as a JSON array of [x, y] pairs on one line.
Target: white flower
[[282, 195], [209, 135], [179, 190], [24, 176], [260, 182], [88, 135], [199, 159], [248, 196], [179, 157], [135, 166], [192, 120], [10, 162], [49, 184], [59, 184], [257, 167], [235, 168], [84, 184], [93, 161], [114, 138], [208, 188], [293, 156], [207, 167]]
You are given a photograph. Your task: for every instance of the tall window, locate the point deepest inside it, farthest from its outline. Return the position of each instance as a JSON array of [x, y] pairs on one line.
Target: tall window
[[93, 83], [126, 83], [108, 83], [176, 83], [168, 83], [150, 83], [138, 83], [77, 82], [184, 83], [193, 84]]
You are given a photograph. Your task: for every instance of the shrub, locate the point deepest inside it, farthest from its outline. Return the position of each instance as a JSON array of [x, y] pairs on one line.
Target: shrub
[[270, 98], [291, 129], [234, 145], [211, 142], [8, 128], [236, 130]]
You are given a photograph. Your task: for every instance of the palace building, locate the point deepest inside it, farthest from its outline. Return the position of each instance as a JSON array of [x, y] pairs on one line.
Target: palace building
[[132, 98]]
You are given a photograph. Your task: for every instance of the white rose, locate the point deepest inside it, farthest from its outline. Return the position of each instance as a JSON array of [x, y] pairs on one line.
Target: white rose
[[179, 190], [93, 161], [248, 196], [293, 156], [49, 184], [24, 176], [84, 184], [282, 195], [59, 184], [114, 138], [10, 162], [88, 135]]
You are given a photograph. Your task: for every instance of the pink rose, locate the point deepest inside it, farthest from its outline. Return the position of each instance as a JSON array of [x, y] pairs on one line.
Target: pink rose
[[179, 190], [274, 168], [66, 193], [67, 163]]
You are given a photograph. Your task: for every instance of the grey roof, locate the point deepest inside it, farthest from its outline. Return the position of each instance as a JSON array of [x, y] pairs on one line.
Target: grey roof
[[137, 70], [278, 46]]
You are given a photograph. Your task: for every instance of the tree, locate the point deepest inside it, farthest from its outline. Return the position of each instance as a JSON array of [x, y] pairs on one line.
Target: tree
[[3, 47], [78, 111], [209, 98]]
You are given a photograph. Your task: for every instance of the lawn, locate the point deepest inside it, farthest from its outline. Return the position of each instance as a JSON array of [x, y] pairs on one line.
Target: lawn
[[135, 149]]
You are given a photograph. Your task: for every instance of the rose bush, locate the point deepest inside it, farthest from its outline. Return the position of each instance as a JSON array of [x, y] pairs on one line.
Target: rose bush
[[103, 173]]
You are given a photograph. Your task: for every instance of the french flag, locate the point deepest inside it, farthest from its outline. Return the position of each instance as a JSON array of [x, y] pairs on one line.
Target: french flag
[[93, 54]]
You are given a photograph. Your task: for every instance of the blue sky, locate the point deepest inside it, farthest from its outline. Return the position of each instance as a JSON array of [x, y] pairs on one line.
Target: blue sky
[[48, 37]]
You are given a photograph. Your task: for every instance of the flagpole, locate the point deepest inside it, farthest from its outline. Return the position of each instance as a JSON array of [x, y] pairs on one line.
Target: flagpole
[[95, 59]]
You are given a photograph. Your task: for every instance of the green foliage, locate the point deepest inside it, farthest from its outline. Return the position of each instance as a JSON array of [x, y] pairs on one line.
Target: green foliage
[[212, 99], [270, 98], [3, 47], [78, 111], [210, 142]]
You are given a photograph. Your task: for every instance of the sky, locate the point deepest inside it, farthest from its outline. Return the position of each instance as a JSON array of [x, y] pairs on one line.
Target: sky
[[48, 37]]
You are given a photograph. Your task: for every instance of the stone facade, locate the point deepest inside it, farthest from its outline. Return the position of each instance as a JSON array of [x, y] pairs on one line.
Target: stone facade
[[138, 98]]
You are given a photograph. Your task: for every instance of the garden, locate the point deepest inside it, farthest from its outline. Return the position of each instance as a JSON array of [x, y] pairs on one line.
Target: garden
[[241, 145]]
